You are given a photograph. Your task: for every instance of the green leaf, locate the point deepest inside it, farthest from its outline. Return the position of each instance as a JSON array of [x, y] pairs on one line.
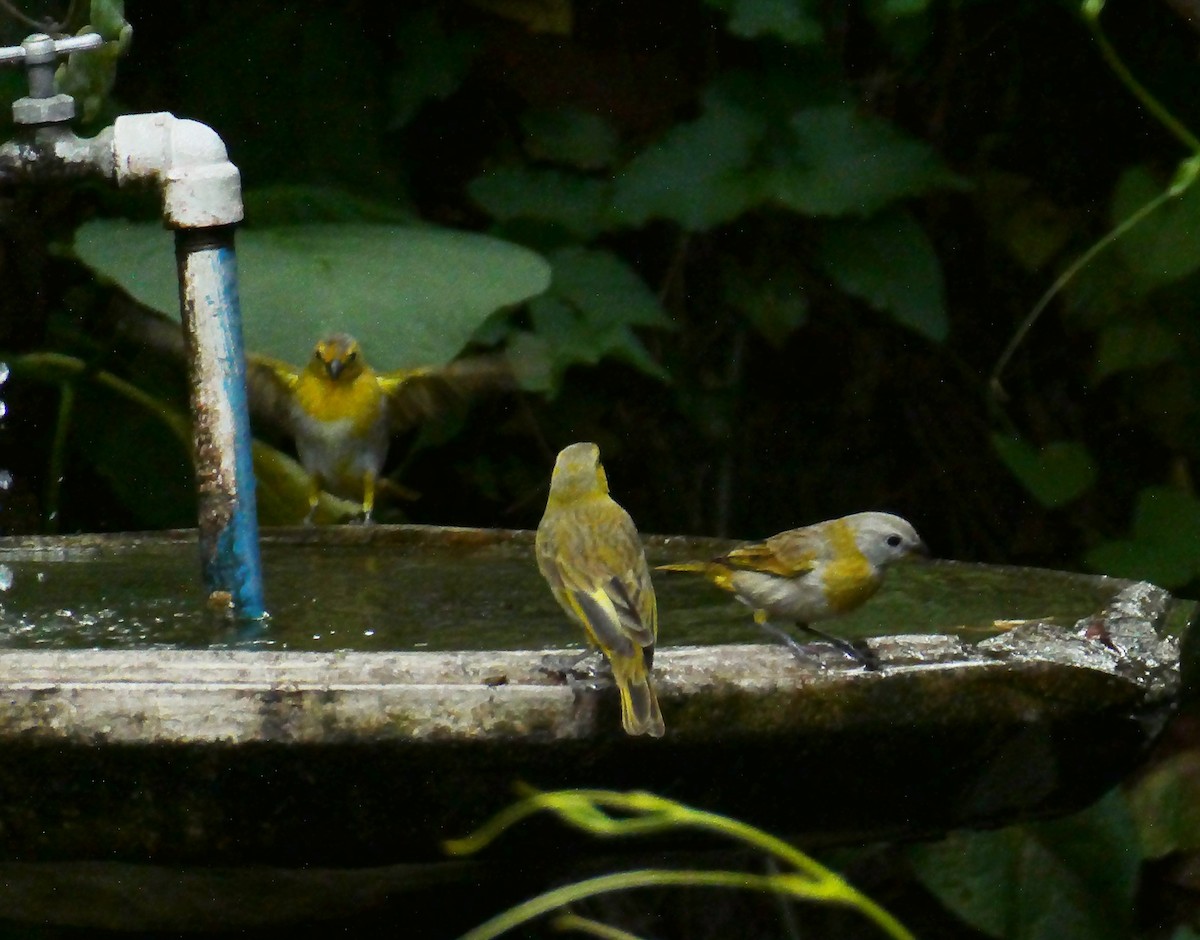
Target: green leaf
[[1056, 474], [889, 262], [1073, 877], [413, 296], [433, 63], [567, 135], [1162, 247], [107, 17], [1166, 805], [605, 289], [577, 203], [89, 76], [696, 174], [793, 21], [774, 301], [1137, 345], [1165, 543], [594, 301], [841, 162]]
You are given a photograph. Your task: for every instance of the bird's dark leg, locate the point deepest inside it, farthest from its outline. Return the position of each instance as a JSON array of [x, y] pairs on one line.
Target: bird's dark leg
[[760, 618], [567, 666], [860, 653]]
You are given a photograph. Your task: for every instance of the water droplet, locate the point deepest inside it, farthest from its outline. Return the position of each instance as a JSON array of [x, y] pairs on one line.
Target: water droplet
[[3, 372], [368, 633], [3, 409], [6, 577], [6, 480]]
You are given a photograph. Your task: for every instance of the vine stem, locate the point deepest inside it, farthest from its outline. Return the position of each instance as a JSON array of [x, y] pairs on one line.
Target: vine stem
[[1185, 176]]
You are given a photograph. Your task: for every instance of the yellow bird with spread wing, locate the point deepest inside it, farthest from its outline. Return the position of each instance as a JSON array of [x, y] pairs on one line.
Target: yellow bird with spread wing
[[343, 414]]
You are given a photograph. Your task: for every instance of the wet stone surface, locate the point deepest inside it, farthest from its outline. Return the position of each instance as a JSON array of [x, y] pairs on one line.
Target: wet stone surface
[[415, 587], [1003, 694]]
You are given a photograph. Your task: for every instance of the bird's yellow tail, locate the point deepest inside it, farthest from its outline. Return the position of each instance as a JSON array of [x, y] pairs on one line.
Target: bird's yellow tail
[[701, 566], [715, 572], [639, 705]]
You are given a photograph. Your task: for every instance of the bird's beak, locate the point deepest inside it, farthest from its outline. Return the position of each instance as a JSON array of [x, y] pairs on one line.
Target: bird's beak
[[921, 550], [334, 367]]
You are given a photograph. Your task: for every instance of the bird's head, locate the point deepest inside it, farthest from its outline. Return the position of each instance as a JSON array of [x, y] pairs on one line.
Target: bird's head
[[884, 538], [338, 358], [578, 473]]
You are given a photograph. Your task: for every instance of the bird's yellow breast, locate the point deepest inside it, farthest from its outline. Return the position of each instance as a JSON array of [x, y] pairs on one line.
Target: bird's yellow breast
[[360, 400], [849, 579]]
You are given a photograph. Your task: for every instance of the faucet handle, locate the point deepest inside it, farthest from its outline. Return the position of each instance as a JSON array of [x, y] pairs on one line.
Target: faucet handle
[[40, 54]]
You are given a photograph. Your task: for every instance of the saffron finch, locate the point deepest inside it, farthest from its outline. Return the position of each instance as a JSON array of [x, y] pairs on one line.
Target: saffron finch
[[343, 414], [589, 552]]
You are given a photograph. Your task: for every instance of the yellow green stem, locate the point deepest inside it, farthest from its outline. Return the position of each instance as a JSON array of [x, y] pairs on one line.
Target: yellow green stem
[[652, 877], [1091, 14], [565, 922], [649, 813], [1185, 176]]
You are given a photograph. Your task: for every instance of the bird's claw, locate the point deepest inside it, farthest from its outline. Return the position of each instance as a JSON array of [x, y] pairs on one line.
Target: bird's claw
[[567, 668], [860, 653]]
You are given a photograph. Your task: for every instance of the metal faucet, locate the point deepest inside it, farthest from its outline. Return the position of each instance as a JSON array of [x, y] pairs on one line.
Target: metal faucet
[[202, 202]]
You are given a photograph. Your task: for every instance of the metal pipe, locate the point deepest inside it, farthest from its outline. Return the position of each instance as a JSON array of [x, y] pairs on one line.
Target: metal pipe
[[212, 320], [202, 201]]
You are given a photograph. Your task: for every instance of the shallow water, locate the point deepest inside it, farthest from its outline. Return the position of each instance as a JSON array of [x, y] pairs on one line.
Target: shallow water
[[392, 588]]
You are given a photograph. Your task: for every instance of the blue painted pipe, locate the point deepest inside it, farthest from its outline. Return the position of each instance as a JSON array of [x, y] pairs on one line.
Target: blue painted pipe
[[212, 321]]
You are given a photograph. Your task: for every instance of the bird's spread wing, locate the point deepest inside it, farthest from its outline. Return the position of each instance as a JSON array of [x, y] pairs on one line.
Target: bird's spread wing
[[415, 395], [270, 384], [786, 557]]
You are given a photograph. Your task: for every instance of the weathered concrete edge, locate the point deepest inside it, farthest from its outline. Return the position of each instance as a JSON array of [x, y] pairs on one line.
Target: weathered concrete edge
[[235, 697]]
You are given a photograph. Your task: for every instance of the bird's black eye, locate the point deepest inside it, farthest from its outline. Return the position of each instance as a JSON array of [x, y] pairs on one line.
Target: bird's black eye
[[351, 356], [894, 541]]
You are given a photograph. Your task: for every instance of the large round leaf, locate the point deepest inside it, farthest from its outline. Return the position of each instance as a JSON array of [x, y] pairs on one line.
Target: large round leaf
[[412, 296]]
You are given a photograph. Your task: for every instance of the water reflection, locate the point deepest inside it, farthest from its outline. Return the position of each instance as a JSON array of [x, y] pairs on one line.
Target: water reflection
[[378, 595]]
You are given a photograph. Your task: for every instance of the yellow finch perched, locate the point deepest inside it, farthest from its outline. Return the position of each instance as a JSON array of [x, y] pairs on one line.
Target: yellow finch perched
[[589, 551], [342, 414], [812, 573]]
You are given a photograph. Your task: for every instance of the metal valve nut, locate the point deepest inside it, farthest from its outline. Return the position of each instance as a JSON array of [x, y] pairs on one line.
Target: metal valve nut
[[53, 110]]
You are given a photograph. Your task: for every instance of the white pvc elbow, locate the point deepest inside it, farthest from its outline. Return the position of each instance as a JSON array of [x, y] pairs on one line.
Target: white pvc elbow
[[187, 159]]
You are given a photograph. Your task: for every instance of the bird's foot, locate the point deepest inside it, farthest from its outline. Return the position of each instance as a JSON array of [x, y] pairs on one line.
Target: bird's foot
[[859, 652], [573, 666]]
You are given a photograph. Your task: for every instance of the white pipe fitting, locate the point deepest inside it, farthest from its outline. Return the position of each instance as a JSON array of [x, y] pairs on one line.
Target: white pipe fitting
[[187, 159]]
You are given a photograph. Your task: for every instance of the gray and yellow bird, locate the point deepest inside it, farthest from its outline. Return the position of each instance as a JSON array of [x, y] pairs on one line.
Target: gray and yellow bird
[[812, 573]]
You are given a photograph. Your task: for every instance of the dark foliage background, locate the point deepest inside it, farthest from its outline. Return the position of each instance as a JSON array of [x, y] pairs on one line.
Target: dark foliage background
[[790, 241]]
